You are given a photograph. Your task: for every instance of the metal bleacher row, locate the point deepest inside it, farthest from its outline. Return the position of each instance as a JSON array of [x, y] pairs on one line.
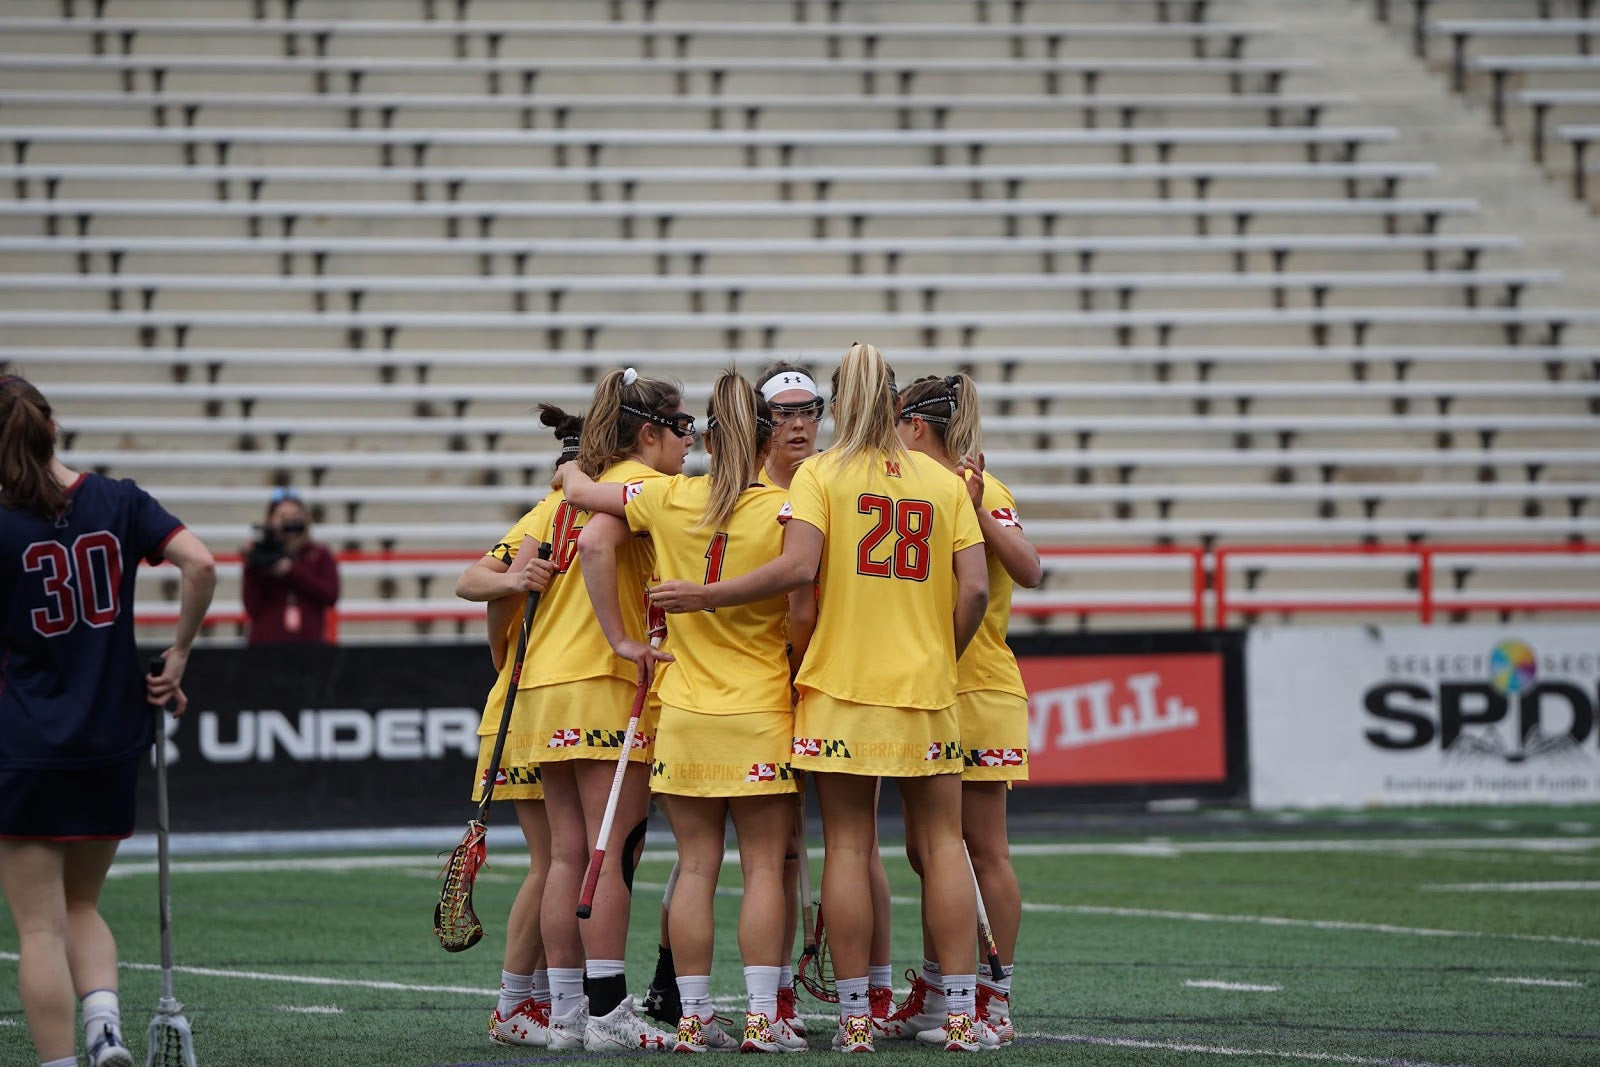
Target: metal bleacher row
[[346, 246], [1534, 64]]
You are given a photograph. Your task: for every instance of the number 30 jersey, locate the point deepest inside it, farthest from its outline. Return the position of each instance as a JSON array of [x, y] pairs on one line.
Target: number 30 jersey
[[892, 525], [731, 659], [71, 682]]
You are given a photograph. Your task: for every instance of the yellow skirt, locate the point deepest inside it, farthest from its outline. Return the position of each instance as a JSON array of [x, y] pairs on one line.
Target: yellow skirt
[[706, 755], [994, 736], [516, 781], [585, 719], [837, 736]]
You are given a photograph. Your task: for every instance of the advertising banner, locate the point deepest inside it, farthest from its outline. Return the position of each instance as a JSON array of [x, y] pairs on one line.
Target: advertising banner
[[1125, 719], [354, 736], [1416, 715], [308, 737]]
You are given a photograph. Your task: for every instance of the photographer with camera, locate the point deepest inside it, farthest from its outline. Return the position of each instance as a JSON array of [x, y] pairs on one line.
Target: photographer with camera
[[290, 581]]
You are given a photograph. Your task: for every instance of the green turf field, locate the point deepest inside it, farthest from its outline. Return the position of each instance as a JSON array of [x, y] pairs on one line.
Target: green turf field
[[1458, 938]]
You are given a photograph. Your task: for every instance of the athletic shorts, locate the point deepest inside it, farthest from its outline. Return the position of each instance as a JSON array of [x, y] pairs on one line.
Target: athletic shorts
[[706, 755], [840, 737], [57, 804], [516, 781], [586, 719], [994, 736]]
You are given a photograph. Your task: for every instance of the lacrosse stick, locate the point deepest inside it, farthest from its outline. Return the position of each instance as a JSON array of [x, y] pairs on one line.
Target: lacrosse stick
[[985, 933], [656, 624], [815, 969], [171, 1043], [455, 923], [592, 879]]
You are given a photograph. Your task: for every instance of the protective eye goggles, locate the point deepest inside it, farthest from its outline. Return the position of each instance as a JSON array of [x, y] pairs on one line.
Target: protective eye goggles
[[681, 424], [810, 410]]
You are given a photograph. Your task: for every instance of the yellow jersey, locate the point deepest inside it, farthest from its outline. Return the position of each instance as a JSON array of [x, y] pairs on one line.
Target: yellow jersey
[[567, 644], [731, 659], [892, 525], [988, 662], [506, 552]]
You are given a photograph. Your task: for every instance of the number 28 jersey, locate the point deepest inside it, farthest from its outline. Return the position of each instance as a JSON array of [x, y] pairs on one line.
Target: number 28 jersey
[[71, 682], [892, 525]]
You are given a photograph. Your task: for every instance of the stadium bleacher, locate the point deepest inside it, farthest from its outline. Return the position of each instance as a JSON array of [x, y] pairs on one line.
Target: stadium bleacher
[[345, 247], [1534, 65]]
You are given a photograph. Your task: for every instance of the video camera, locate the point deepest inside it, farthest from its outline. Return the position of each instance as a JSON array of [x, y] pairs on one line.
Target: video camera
[[265, 550]]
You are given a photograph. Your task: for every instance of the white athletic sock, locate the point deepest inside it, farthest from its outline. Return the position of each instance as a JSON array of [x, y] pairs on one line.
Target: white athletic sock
[[1003, 987], [566, 990], [694, 990], [65, 1061], [514, 989], [539, 988], [880, 977], [852, 997], [761, 987], [960, 992], [605, 969], [101, 1009], [934, 1004], [786, 977]]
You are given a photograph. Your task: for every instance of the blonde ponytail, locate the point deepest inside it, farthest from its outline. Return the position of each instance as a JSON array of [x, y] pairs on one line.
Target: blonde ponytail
[[864, 406], [739, 426]]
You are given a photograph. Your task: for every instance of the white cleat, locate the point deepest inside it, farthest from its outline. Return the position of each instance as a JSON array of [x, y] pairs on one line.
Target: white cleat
[[528, 1024], [567, 1032], [770, 1035], [625, 1029], [702, 1035], [854, 1035], [961, 1033]]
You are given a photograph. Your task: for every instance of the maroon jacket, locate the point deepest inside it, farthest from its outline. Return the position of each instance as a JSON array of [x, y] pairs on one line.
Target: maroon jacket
[[292, 609]]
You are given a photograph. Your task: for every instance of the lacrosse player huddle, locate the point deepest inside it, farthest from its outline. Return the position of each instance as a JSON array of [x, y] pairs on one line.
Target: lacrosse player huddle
[[834, 617]]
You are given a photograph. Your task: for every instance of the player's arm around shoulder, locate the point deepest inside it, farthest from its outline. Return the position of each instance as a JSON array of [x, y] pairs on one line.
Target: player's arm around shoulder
[[996, 511]]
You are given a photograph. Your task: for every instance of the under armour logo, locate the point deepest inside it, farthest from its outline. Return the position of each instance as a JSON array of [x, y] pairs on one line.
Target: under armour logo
[[853, 997], [792, 379]]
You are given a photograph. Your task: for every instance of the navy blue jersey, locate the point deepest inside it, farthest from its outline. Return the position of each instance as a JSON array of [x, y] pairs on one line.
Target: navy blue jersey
[[71, 682]]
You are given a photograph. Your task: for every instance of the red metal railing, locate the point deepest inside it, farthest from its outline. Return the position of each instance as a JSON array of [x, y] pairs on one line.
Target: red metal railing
[[1423, 600], [1205, 598]]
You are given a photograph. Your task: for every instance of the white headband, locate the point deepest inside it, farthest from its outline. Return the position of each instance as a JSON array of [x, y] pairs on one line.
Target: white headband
[[789, 379]]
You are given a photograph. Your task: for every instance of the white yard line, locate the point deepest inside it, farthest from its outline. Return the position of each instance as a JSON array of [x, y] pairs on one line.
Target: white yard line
[[1555, 983], [311, 1009], [1308, 924], [1155, 849], [1225, 1050], [1513, 887], [307, 979], [1236, 987]]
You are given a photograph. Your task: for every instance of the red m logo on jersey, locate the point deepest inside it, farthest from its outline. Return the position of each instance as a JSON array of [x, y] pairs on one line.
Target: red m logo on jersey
[[891, 468]]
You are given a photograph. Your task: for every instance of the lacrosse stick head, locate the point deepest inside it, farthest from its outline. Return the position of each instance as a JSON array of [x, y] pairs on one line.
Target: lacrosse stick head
[[171, 1041], [814, 971], [455, 924]]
